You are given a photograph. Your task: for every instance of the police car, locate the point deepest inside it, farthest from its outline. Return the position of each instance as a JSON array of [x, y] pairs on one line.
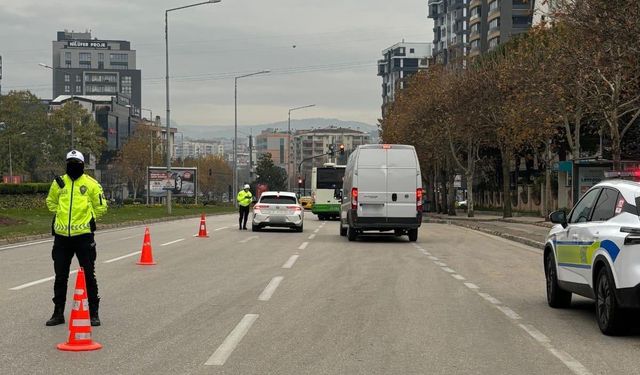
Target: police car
[[594, 251]]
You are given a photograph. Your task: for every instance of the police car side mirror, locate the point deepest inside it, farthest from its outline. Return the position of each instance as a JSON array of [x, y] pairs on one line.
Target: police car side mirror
[[559, 217]]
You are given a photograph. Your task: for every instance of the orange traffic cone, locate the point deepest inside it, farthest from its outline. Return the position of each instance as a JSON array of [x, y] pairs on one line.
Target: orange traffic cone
[[80, 323], [203, 227], [146, 258]]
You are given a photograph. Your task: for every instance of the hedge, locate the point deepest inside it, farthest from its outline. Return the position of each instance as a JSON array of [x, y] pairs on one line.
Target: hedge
[[30, 188]]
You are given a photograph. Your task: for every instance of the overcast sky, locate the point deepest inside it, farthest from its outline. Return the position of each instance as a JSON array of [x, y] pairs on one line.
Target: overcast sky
[[333, 64]]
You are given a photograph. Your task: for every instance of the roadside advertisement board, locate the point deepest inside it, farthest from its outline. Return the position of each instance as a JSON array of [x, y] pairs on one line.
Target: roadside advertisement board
[[181, 181]]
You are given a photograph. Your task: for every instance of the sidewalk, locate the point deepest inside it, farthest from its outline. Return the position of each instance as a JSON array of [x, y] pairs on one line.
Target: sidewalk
[[531, 231]]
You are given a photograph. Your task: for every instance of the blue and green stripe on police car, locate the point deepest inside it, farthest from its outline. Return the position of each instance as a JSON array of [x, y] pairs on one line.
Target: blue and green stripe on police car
[[579, 254]]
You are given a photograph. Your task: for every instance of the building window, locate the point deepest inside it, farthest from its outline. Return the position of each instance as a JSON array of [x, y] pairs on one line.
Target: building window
[[85, 56], [67, 78], [100, 56], [521, 20], [67, 88], [119, 57], [412, 50], [78, 88], [493, 5], [494, 42], [475, 28], [475, 12], [78, 79], [125, 85], [67, 59], [475, 43], [494, 24]]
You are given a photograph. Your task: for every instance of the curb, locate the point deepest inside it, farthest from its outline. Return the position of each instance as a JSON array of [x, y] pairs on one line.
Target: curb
[[522, 240], [101, 227], [542, 224]]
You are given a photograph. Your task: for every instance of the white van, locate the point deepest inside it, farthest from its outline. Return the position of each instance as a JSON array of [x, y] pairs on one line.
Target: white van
[[382, 191]]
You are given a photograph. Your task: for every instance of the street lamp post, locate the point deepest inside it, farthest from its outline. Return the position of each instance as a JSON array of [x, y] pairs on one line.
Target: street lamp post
[[235, 131], [168, 119], [150, 136], [289, 161]]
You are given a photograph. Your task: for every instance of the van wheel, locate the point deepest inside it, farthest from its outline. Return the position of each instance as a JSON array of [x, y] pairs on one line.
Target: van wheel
[[608, 312], [351, 233], [413, 235], [556, 297], [343, 230]]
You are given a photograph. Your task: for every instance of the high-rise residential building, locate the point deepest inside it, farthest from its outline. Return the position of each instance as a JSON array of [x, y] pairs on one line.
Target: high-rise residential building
[[194, 149], [493, 22], [400, 61], [450, 30], [83, 65], [274, 142], [310, 143]]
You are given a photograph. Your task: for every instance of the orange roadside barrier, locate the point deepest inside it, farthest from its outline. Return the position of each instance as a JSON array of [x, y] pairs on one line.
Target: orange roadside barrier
[[146, 257], [80, 323], [203, 227]]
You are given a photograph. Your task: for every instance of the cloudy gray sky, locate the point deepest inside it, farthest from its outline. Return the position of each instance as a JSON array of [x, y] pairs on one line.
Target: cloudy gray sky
[[333, 64]]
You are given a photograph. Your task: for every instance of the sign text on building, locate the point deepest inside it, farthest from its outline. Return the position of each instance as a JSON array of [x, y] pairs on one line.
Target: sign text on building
[[87, 44]]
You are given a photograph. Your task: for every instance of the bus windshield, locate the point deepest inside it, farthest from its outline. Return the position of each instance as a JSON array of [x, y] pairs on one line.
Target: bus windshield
[[330, 178]]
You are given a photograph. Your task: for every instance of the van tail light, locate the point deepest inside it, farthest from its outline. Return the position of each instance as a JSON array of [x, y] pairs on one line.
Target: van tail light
[[419, 193], [354, 198]]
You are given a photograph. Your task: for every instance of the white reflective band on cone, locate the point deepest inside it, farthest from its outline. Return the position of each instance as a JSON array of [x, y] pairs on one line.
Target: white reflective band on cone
[[81, 323], [76, 305], [79, 292], [83, 336]]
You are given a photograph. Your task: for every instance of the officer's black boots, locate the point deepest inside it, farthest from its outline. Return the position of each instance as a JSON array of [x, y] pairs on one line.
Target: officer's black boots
[[93, 314], [57, 317]]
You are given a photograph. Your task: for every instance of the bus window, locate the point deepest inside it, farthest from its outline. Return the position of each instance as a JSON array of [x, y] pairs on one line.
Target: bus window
[[330, 178]]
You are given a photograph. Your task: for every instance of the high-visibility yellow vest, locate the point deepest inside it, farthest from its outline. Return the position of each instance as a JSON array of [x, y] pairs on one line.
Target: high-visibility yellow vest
[[244, 198]]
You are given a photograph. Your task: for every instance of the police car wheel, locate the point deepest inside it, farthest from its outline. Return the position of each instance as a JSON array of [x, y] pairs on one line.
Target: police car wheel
[[608, 312], [556, 297]]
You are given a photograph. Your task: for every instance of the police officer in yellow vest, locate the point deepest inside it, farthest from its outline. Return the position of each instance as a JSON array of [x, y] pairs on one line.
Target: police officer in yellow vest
[[244, 199], [77, 201]]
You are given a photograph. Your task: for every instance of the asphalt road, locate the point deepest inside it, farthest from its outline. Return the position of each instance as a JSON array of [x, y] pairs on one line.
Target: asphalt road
[[278, 302]]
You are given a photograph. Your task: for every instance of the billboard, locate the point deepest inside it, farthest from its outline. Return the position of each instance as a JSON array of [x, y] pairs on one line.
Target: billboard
[[181, 181]]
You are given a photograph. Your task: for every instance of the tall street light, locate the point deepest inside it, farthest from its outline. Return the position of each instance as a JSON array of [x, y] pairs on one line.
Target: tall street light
[[166, 43], [289, 143], [235, 132]]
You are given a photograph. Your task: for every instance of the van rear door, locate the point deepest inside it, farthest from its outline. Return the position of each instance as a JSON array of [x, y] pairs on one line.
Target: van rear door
[[402, 182], [372, 182]]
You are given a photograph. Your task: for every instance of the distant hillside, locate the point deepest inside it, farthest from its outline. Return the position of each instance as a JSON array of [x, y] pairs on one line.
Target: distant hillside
[[211, 132]]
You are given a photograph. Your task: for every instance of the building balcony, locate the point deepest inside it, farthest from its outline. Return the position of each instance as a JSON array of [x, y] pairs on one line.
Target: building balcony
[[474, 3], [474, 19], [493, 33], [474, 35], [474, 51], [493, 14]]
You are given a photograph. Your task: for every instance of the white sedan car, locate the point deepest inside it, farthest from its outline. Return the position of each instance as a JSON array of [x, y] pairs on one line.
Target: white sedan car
[[594, 251], [278, 209]]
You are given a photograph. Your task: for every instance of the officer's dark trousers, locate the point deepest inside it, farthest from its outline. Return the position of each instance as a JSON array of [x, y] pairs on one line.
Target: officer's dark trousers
[[84, 247], [244, 215]]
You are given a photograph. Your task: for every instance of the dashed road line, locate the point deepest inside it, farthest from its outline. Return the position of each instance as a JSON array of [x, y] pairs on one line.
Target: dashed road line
[[303, 246], [489, 298], [249, 239], [122, 257], [270, 289], [317, 230], [38, 281], [508, 312], [471, 286], [220, 356], [458, 277], [312, 236], [289, 263], [448, 270], [24, 244], [433, 258], [215, 230], [172, 242], [441, 264]]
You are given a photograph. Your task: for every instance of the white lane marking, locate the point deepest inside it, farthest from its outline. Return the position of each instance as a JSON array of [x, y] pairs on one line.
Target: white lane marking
[[441, 264], [471, 286], [571, 363], [220, 356], [122, 257], [426, 252], [215, 230], [38, 281], [432, 257], [248, 239], [533, 332], [127, 238], [303, 246], [508, 312], [489, 298], [312, 236], [172, 242], [317, 230], [24, 244], [447, 269], [291, 261], [270, 289], [458, 277]]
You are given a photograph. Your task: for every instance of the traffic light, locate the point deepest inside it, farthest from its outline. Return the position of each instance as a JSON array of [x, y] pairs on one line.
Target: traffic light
[[342, 149], [331, 150], [300, 183]]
